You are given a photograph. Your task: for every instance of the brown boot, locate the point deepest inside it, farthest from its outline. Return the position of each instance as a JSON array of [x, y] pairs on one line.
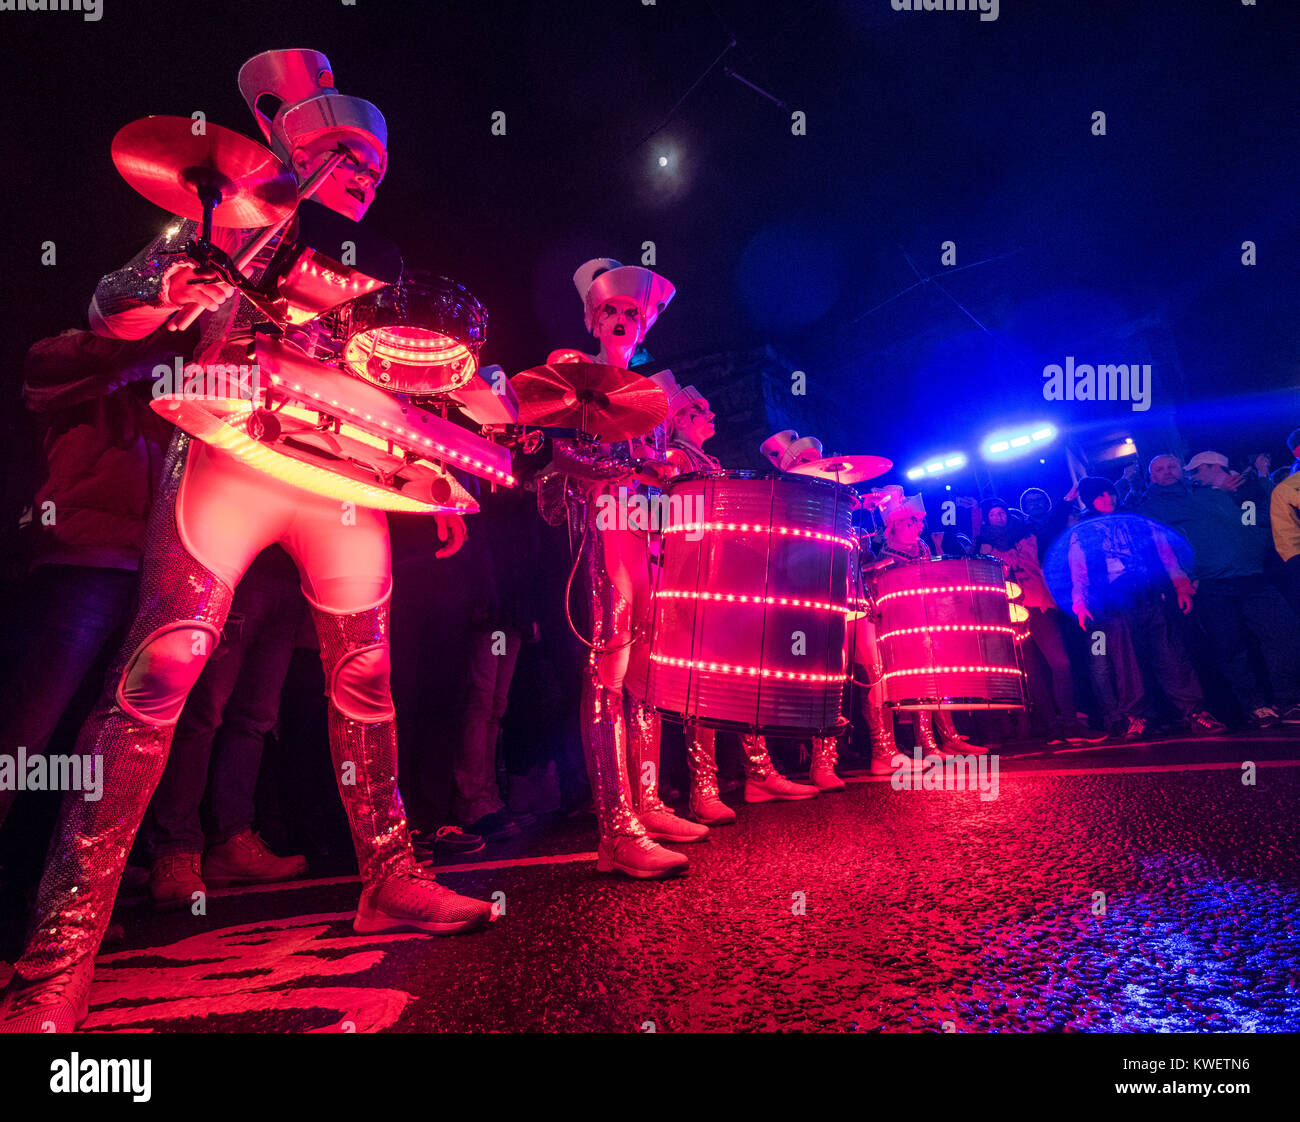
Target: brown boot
[[247, 859], [173, 880]]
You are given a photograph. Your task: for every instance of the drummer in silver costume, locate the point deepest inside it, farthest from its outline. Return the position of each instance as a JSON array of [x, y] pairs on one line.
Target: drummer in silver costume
[[904, 544], [690, 425], [213, 515], [621, 745]]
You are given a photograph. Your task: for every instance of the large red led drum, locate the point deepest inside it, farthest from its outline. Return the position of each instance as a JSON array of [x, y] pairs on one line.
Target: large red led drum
[[946, 637], [749, 622]]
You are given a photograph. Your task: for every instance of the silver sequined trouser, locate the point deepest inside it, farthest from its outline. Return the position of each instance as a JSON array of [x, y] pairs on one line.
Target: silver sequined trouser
[[363, 737], [702, 758], [611, 564], [643, 755], [825, 752], [92, 838], [758, 764]]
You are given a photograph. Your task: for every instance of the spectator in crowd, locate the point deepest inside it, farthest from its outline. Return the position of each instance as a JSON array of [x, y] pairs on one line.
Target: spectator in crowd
[[1046, 520], [1123, 576], [505, 551], [1008, 535], [1130, 485], [1261, 463], [1284, 512], [1293, 442], [104, 451], [1211, 469], [1235, 600]]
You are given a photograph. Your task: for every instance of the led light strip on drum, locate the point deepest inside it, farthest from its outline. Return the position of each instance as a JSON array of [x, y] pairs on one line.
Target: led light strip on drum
[[417, 442], [736, 598], [757, 528], [955, 670], [999, 589], [746, 671], [990, 627]]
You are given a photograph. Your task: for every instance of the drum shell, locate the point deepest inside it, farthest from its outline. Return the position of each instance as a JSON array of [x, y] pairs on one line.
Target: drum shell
[[437, 305], [915, 603], [753, 636]]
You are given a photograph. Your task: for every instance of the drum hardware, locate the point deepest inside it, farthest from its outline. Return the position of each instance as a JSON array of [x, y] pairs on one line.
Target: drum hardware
[[258, 240], [219, 177], [844, 469], [603, 403]]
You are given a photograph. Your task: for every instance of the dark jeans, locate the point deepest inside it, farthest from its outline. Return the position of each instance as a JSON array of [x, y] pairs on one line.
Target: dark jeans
[[1139, 632], [487, 689], [1232, 612], [73, 614], [1048, 663], [234, 704], [1287, 578]]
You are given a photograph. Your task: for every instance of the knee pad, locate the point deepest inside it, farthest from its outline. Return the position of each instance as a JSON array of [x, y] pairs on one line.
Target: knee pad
[[359, 685], [163, 669]]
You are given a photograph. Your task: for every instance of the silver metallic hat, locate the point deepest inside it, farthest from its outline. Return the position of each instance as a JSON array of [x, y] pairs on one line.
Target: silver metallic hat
[[292, 96], [679, 397], [787, 448], [602, 278]]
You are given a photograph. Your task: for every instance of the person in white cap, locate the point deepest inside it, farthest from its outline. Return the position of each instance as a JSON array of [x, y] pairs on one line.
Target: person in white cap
[[213, 515], [785, 450], [620, 304], [904, 544]]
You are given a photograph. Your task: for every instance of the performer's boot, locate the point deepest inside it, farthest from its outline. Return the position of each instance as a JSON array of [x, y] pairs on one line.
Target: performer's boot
[[952, 741], [624, 845], [706, 804], [397, 894], [926, 741], [643, 773], [886, 759], [824, 758], [763, 783]]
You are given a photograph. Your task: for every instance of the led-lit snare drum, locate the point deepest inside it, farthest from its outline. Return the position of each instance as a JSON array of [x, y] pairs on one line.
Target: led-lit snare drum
[[319, 419], [946, 635], [749, 622], [420, 338]]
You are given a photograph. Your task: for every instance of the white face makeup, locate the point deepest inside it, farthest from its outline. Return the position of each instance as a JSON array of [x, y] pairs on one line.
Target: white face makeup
[[905, 530], [695, 423], [350, 188], [618, 322]]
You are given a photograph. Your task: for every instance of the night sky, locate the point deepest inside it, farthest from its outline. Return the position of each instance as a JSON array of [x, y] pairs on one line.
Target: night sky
[[922, 127]]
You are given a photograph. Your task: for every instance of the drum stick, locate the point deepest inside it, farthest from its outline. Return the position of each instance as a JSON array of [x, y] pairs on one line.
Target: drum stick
[[257, 242]]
